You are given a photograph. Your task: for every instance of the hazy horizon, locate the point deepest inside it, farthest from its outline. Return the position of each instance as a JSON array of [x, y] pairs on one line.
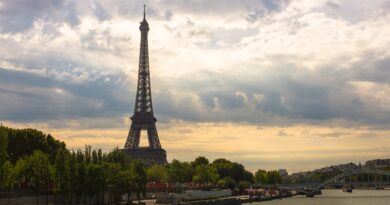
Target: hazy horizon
[[294, 84]]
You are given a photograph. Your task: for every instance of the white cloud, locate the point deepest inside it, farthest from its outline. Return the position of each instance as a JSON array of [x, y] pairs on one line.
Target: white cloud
[[253, 61]]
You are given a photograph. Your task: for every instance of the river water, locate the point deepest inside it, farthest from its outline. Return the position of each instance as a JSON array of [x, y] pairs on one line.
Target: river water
[[336, 197]]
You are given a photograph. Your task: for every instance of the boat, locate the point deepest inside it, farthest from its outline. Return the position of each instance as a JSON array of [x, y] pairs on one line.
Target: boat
[[347, 189]]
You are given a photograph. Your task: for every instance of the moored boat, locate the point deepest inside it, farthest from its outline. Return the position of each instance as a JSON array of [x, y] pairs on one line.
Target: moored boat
[[347, 189]]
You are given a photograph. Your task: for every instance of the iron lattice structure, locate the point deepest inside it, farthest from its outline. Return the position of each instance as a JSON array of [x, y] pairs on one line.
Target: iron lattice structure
[[143, 118]]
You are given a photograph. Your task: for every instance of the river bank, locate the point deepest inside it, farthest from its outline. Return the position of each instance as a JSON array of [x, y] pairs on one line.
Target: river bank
[[335, 197]]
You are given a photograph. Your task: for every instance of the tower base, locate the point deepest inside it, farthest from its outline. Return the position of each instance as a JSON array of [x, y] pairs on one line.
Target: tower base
[[147, 155]]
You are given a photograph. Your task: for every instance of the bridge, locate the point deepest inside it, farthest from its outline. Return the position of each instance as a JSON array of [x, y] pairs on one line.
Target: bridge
[[372, 177]]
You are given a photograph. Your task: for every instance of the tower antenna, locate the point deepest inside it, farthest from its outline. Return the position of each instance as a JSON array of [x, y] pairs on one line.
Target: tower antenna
[[144, 11]]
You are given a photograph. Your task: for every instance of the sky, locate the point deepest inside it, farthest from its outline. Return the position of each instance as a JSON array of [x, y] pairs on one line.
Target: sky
[[294, 84]]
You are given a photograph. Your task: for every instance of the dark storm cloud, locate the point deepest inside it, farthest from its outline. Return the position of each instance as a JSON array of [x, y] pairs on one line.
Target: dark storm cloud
[[292, 93], [28, 97], [227, 100], [318, 96], [375, 71]]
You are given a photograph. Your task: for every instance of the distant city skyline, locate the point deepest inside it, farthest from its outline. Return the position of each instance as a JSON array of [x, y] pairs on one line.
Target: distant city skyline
[[285, 84]]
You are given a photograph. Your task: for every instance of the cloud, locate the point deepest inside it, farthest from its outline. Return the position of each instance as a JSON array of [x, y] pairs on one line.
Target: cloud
[[27, 97], [74, 64], [19, 16]]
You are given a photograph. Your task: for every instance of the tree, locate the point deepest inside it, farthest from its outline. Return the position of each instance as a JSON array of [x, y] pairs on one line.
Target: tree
[[248, 176], [87, 153], [117, 156], [244, 185], [95, 158], [52, 147], [40, 169], [227, 182], [223, 167], [205, 174], [115, 181], [23, 142], [201, 160], [179, 172], [138, 173], [261, 177], [3, 146], [105, 178], [61, 173], [72, 174], [80, 183], [128, 183], [157, 173], [92, 180], [7, 177], [23, 169], [234, 170], [274, 177]]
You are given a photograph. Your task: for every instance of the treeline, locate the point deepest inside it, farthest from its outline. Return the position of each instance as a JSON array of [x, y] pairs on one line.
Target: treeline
[[77, 177], [267, 177], [17, 143], [40, 163], [31, 160], [221, 172]]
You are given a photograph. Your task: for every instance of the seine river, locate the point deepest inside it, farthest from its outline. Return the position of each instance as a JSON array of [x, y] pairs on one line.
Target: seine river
[[336, 197]]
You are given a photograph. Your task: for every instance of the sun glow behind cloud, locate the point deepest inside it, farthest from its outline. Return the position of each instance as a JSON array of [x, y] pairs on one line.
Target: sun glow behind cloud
[[297, 147]]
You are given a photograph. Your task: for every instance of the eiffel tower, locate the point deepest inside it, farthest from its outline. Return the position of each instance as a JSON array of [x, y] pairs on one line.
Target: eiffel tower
[[143, 117]]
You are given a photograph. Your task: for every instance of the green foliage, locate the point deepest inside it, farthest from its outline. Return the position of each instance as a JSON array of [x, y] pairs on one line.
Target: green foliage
[[61, 172], [117, 156], [86, 176], [205, 174], [3, 146], [261, 177], [227, 182], [179, 171], [93, 179], [7, 176], [244, 184], [23, 168], [234, 170], [39, 163], [139, 178], [274, 177], [201, 160], [270, 177], [23, 142], [115, 180], [200, 171], [157, 173]]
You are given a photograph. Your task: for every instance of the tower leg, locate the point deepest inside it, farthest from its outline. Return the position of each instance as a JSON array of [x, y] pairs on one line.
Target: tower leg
[[154, 141], [134, 137]]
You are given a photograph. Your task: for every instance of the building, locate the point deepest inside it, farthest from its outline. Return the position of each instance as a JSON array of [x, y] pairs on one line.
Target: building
[[283, 172], [378, 163]]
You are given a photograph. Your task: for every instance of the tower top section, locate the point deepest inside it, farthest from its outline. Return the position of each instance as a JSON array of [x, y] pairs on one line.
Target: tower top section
[[144, 25]]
